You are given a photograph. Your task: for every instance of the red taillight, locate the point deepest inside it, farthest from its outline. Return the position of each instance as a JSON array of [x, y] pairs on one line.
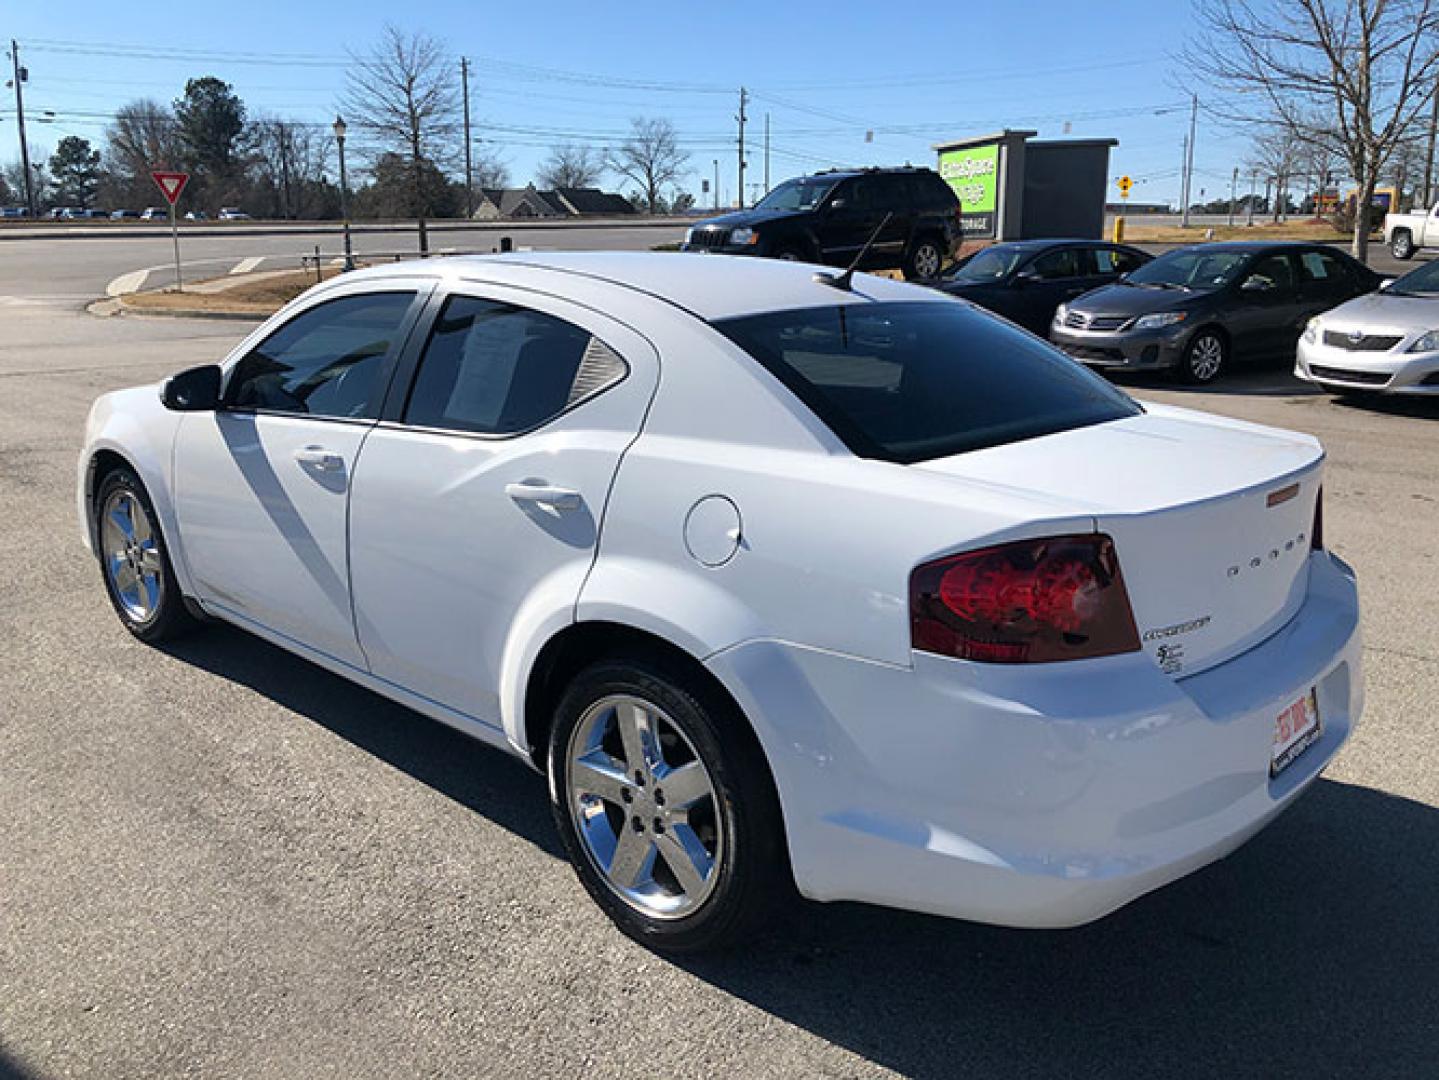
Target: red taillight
[[1316, 534], [1059, 598]]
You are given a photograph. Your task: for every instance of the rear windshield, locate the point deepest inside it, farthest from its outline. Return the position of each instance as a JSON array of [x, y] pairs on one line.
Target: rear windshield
[[918, 380]]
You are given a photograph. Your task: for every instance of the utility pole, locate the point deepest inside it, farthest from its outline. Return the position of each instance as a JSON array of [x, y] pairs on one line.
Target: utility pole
[[1429, 158], [1253, 179], [469, 170], [716, 183], [20, 76], [1233, 187], [743, 101], [1189, 157], [766, 153]]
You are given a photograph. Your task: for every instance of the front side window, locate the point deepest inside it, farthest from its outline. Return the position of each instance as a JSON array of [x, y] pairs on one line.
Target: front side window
[[1060, 263], [1273, 271], [803, 194], [326, 361], [913, 381], [988, 264], [497, 369]]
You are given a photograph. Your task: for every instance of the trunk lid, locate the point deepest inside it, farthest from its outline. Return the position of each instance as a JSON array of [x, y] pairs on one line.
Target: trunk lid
[[1211, 520]]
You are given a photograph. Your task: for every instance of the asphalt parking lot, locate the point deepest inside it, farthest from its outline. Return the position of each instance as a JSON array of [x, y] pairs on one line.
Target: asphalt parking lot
[[219, 860]]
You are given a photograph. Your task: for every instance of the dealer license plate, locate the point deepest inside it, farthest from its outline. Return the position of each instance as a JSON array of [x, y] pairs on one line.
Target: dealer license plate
[[1296, 729]]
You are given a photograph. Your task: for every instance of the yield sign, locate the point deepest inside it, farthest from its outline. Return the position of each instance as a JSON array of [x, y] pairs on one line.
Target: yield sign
[[171, 184]]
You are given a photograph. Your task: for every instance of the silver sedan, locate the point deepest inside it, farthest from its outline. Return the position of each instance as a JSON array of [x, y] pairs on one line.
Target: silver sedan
[[1385, 342]]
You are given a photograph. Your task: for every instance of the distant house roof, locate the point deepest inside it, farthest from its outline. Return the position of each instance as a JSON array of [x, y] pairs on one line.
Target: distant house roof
[[594, 201]]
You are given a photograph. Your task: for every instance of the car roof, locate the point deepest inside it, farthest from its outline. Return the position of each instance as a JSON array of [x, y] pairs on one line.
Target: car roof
[[709, 286], [1258, 245]]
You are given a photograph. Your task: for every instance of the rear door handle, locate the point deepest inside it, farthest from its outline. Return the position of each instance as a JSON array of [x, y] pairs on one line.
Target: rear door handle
[[540, 492], [319, 458]]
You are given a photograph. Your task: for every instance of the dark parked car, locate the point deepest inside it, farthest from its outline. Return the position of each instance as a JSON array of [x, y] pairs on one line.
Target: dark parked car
[[1197, 309], [1025, 280], [125, 215], [828, 218]]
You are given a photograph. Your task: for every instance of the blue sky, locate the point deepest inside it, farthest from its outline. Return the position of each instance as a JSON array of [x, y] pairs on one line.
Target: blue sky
[[825, 74]]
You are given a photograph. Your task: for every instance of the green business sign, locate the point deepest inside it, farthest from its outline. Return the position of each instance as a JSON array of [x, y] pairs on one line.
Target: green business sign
[[973, 172]]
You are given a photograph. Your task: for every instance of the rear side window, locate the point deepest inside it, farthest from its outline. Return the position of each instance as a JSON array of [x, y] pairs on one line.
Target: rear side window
[[913, 381], [1059, 263], [497, 369], [326, 361], [1115, 261]]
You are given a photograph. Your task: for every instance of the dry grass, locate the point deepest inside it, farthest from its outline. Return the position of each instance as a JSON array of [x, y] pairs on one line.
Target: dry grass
[[1136, 232], [260, 295]]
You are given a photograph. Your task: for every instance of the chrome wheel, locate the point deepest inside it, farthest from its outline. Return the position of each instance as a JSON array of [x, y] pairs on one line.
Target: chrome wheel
[[1206, 356], [644, 807], [132, 557], [926, 260]]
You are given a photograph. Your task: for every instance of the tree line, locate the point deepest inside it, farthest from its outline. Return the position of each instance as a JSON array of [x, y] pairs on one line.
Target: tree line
[[402, 111]]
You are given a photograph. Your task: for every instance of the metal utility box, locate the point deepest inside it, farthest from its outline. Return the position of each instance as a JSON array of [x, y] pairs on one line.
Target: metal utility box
[[1010, 188]]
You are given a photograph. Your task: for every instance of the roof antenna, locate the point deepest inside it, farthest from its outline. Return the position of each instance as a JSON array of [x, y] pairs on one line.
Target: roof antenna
[[845, 280]]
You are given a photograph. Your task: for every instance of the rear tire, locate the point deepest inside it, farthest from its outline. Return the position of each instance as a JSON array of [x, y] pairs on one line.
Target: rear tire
[[134, 561], [790, 253], [924, 260], [1401, 245], [682, 870], [1205, 358]]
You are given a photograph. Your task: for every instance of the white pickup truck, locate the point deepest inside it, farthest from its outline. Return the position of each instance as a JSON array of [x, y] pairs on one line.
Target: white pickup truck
[[1407, 233]]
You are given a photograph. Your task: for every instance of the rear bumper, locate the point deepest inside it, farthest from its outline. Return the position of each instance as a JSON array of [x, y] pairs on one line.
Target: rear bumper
[[1038, 795], [1386, 372]]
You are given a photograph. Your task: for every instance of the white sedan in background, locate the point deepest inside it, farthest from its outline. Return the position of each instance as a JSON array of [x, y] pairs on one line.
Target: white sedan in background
[[1385, 342], [784, 579]]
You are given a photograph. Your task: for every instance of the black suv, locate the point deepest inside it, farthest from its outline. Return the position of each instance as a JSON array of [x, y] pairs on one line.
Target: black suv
[[828, 217]]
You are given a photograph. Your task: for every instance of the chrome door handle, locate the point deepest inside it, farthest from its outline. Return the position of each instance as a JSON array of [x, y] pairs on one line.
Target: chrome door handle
[[540, 492], [319, 458]]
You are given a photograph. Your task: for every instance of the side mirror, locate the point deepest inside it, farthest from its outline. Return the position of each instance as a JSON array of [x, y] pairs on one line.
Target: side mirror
[[196, 390], [1384, 283]]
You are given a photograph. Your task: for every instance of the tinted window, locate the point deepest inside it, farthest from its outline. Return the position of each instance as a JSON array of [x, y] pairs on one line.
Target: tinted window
[[988, 264], [1321, 266], [1277, 270], [1115, 261], [803, 194], [1059, 263], [913, 381], [498, 369], [1423, 281], [323, 362], [935, 194], [862, 194]]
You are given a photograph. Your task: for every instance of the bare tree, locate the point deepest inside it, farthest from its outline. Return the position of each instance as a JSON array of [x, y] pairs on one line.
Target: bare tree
[[403, 99], [1367, 67], [1279, 157], [650, 157], [571, 166], [142, 138], [291, 159]]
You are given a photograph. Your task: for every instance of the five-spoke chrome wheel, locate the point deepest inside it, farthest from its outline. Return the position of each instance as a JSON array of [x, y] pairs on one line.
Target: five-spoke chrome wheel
[[131, 555], [644, 806]]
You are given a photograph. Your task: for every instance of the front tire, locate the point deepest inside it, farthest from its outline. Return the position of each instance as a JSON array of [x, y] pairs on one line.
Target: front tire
[[665, 806], [1205, 357], [1401, 245], [924, 260], [139, 577]]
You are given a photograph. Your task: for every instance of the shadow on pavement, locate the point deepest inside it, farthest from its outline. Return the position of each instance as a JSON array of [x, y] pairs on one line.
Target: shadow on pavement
[[1313, 951], [1252, 382]]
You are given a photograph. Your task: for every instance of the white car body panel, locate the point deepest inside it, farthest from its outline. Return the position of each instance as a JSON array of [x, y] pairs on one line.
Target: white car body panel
[[719, 514], [1405, 318]]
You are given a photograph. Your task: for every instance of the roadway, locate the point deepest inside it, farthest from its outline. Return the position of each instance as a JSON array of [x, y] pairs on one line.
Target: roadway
[[219, 860]]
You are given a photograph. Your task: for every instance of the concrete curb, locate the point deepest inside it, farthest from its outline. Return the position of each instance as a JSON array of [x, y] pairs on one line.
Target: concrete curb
[[62, 232], [116, 306]]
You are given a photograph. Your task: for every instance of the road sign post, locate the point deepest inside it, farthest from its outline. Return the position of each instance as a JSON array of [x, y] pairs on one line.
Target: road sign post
[[170, 185], [1124, 183]]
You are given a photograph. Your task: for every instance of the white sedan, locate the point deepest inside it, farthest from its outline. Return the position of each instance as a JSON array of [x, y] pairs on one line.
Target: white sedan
[[1384, 342], [783, 579]]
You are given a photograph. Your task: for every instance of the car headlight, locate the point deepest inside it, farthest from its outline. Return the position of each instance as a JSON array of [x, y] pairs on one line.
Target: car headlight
[[1060, 312], [1160, 319], [689, 236], [1427, 343], [1311, 330], [743, 236]]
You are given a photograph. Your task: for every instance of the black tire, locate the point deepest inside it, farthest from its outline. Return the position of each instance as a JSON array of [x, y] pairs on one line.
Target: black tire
[[924, 259], [790, 253], [1205, 357], [1401, 245], [749, 880], [169, 617]]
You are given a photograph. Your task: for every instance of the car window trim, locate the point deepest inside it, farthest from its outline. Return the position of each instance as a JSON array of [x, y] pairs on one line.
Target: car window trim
[[373, 405]]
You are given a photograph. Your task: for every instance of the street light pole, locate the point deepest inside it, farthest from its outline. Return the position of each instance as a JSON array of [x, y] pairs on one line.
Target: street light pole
[[716, 183], [339, 128], [469, 169], [1189, 158], [1253, 180], [1233, 188]]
